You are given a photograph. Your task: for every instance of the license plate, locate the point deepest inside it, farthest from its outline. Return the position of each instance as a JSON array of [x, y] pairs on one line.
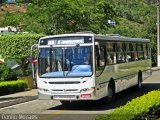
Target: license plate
[[64, 96]]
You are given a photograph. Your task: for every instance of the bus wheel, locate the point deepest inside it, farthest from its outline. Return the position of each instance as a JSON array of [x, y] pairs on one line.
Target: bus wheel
[[138, 87], [111, 94]]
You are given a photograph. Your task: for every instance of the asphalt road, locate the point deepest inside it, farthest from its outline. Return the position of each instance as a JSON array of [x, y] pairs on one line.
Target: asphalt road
[[53, 110]]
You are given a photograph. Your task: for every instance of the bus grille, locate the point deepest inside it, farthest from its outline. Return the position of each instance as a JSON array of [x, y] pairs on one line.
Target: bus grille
[[74, 82], [65, 91]]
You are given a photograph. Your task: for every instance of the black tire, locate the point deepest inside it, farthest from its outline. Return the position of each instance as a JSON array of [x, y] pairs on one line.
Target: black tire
[[111, 94], [138, 87]]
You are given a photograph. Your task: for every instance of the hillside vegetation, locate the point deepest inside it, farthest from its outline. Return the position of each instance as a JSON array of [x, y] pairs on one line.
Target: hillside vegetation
[[137, 19], [12, 9], [1, 18]]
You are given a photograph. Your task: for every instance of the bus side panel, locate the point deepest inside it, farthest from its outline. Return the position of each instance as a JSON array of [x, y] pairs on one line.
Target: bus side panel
[[125, 75], [133, 68], [102, 80], [115, 72]]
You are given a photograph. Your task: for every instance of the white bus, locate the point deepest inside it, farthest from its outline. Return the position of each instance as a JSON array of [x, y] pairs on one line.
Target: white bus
[[88, 66]]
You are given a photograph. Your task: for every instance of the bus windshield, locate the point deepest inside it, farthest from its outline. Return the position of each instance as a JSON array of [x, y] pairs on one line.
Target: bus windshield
[[65, 61]]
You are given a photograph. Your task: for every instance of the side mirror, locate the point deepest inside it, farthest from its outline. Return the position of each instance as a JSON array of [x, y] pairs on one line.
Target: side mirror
[[34, 60]]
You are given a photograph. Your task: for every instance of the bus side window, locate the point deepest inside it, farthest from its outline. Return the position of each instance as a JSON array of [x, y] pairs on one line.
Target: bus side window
[[100, 56], [133, 49], [140, 51], [145, 50], [100, 59], [120, 52], [97, 55], [111, 54], [148, 50], [128, 54]]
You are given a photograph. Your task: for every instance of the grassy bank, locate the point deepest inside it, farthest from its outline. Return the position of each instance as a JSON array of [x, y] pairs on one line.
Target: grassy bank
[[144, 107]]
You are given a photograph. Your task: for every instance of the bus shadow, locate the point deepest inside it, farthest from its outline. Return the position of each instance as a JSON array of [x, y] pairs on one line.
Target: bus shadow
[[121, 99]]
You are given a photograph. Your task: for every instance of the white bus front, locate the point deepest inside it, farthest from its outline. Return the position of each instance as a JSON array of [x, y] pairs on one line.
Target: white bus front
[[65, 68]]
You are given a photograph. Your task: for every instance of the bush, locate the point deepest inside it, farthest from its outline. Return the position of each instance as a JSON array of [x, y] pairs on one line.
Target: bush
[[9, 87], [18, 47], [19, 1], [7, 73], [139, 108]]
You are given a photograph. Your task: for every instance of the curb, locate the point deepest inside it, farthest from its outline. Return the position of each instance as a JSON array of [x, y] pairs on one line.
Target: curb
[[17, 101], [155, 69]]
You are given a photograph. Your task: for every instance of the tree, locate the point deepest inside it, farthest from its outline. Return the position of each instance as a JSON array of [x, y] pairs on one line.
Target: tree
[[137, 18], [54, 17], [12, 19]]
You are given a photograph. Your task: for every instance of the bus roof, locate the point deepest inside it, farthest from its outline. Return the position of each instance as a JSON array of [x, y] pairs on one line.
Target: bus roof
[[66, 35], [120, 38], [109, 37]]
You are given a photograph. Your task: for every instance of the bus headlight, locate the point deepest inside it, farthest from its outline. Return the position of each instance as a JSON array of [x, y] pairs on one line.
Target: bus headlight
[[43, 89], [88, 89]]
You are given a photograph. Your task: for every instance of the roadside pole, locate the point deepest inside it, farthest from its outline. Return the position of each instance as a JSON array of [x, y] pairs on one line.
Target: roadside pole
[[158, 42]]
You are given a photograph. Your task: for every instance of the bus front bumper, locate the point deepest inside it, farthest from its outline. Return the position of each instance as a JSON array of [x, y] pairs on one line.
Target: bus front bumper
[[73, 96]]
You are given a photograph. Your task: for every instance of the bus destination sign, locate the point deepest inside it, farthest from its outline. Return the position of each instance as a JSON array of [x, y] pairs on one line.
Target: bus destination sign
[[66, 40]]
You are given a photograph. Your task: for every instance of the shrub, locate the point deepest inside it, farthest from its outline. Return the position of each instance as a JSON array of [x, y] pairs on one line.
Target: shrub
[[7, 73], [19, 1], [8, 87], [18, 47], [137, 109]]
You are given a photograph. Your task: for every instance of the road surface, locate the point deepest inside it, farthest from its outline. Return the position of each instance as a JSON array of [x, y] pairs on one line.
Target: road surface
[[53, 110]]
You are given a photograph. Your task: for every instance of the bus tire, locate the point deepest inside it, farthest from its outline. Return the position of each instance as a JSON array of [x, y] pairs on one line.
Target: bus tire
[[138, 87], [111, 94]]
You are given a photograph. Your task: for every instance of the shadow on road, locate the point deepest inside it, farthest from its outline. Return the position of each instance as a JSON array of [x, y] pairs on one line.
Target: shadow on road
[[121, 99]]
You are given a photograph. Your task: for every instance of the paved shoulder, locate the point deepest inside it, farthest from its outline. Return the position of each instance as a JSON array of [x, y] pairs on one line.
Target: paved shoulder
[[17, 98]]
